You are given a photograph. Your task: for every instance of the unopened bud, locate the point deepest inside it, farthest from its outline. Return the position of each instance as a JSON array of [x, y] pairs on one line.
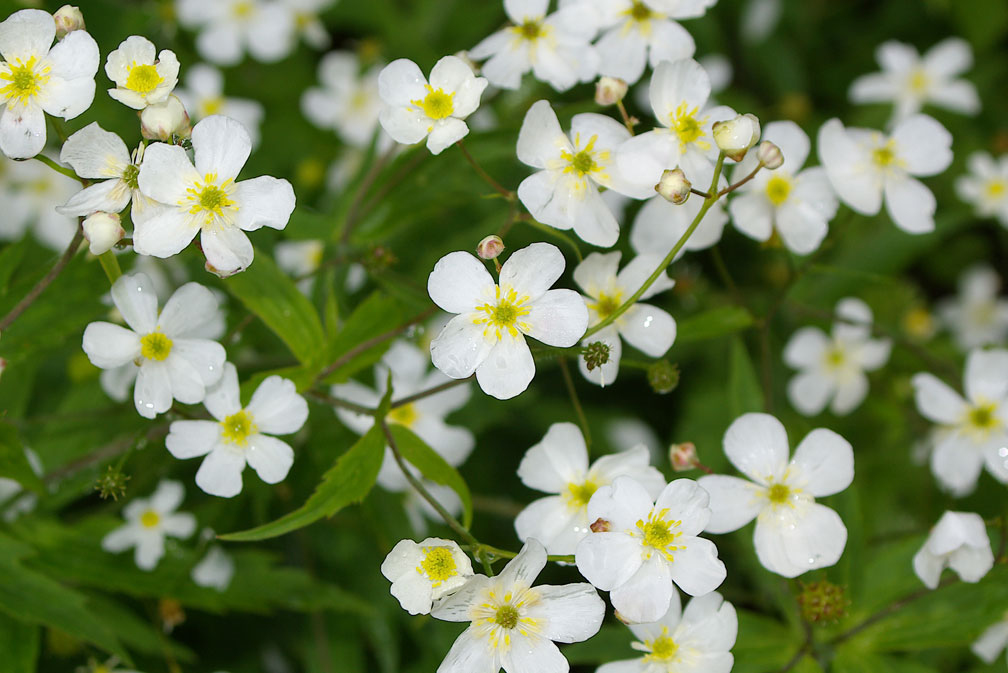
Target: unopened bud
[[735, 136], [68, 18], [674, 186], [165, 121], [683, 456], [3, 366], [490, 247], [102, 230], [601, 525], [663, 376], [822, 601], [769, 155], [610, 90], [596, 354]]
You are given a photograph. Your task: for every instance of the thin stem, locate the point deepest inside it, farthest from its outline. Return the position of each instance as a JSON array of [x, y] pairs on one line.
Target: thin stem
[[572, 391], [699, 193], [110, 265], [555, 233], [371, 343], [354, 209], [46, 281], [428, 392], [891, 608], [628, 121], [732, 188], [56, 167], [498, 187], [343, 404]]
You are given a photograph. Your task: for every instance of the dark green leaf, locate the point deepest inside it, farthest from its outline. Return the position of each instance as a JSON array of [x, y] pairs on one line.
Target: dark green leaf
[[714, 323], [375, 316], [13, 461], [433, 467], [19, 645], [744, 390]]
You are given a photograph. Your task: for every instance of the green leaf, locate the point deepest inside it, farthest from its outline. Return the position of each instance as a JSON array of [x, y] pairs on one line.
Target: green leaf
[[13, 461], [10, 258], [375, 316], [19, 643], [714, 323], [347, 482], [744, 392], [433, 467], [268, 293]]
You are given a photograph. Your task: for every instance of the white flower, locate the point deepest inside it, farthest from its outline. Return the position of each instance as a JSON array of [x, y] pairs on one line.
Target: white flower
[[684, 641], [100, 155], [215, 570], [241, 435], [959, 540], [148, 522], [228, 27], [659, 225], [647, 328], [167, 121], [971, 431], [35, 79], [29, 193], [347, 101], [794, 534], [206, 198], [832, 368], [488, 334], [422, 573], [559, 464], [513, 624], [986, 186], [141, 78], [909, 81], [203, 96], [555, 48], [797, 204], [306, 21], [564, 193], [644, 549], [413, 109], [977, 316], [175, 360], [864, 165], [300, 259], [992, 641]]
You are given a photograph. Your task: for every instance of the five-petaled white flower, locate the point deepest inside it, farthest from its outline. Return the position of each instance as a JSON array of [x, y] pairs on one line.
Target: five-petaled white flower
[[175, 361], [148, 522], [203, 96], [228, 27], [241, 435], [488, 334], [864, 165], [421, 573], [977, 316], [641, 549], [832, 368], [35, 79], [794, 534], [684, 641], [141, 77], [513, 625], [347, 100], [559, 464], [959, 540], [206, 198], [973, 431], [986, 185]]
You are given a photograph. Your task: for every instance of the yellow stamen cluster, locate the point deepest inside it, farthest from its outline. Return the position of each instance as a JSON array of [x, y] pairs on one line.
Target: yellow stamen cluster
[[210, 199], [578, 495], [23, 81], [585, 161], [661, 649], [606, 304], [405, 415], [778, 494], [236, 428], [498, 616], [885, 156], [995, 189], [505, 313], [155, 346], [438, 564], [835, 357], [688, 127], [660, 534], [150, 518], [436, 104], [639, 12], [778, 188], [530, 30], [982, 419], [143, 79]]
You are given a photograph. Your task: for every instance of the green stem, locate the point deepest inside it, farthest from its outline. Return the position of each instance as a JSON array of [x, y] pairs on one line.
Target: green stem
[[498, 187], [56, 167], [572, 391], [555, 233], [110, 265]]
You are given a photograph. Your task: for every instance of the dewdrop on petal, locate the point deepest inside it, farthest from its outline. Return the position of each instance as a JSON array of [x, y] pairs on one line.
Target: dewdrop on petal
[[166, 120], [102, 230], [68, 18], [490, 247], [769, 155], [735, 136], [610, 90], [674, 186]]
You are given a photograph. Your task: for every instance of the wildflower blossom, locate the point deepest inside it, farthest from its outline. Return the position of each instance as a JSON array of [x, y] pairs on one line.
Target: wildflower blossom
[[141, 79], [203, 96], [421, 573], [986, 186], [29, 191], [228, 27], [959, 540], [347, 101], [97, 154], [148, 522]]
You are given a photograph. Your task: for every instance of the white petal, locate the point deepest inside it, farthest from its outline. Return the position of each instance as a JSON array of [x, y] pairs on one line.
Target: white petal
[[187, 310], [507, 369], [986, 377], [639, 269], [734, 502], [446, 132], [524, 567], [74, 62], [683, 500], [810, 391], [460, 347], [94, 153], [277, 408], [453, 74], [845, 164], [560, 458], [205, 357], [805, 348], [401, 82], [153, 392], [674, 83], [956, 464], [991, 642], [558, 318], [553, 523], [120, 539], [624, 502], [850, 393], [108, 345], [923, 144], [167, 496], [541, 139], [149, 550], [109, 196], [186, 383], [469, 654], [608, 560], [649, 329], [228, 250], [22, 131], [936, 400], [910, 204], [570, 613], [752, 214], [269, 457], [166, 173], [26, 33], [757, 445], [181, 525], [264, 201], [697, 570], [222, 399], [134, 296], [220, 473], [816, 539], [458, 281], [532, 270], [825, 461], [188, 439], [221, 146]]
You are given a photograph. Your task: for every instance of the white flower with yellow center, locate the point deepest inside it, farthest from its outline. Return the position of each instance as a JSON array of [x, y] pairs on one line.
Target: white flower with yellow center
[[421, 573], [641, 549], [972, 431], [228, 27], [986, 186], [910, 81], [141, 77], [555, 47], [564, 193], [694, 640], [559, 465], [863, 165], [978, 316], [959, 541], [414, 109], [647, 328], [306, 20], [794, 534], [175, 359], [797, 203], [832, 368], [28, 190], [241, 435], [678, 91], [659, 225], [487, 337], [203, 96], [148, 522], [36, 80], [347, 100], [202, 196], [513, 625]]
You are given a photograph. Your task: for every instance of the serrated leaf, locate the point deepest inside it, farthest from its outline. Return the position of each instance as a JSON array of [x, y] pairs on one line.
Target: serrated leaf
[[744, 392], [347, 482], [433, 467], [13, 461], [713, 323]]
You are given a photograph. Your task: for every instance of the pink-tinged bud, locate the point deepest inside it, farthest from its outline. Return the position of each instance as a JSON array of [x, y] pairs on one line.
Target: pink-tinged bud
[[610, 90], [3, 366], [490, 247], [683, 456], [102, 230], [601, 526], [674, 186], [735, 136], [769, 155], [68, 19], [165, 121]]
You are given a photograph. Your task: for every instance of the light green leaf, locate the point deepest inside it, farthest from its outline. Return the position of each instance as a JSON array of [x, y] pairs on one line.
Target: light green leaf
[[713, 323], [433, 467], [744, 392], [13, 462]]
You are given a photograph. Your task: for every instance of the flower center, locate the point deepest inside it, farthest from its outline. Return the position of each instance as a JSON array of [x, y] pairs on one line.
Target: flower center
[[607, 304], [835, 357], [640, 12], [885, 156], [578, 495], [242, 10], [211, 105], [919, 81], [143, 79], [658, 533], [237, 427], [404, 415], [505, 313], [130, 175], [23, 81], [983, 418], [778, 494], [436, 104], [507, 616], [662, 648], [211, 199], [149, 519], [439, 565], [996, 189], [777, 189], [155, 346], [530, 29], [687, 127]]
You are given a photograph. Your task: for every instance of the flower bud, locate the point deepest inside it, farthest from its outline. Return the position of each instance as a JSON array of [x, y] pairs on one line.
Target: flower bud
[[683, 456], [601, 526], [3, 366], [102, 230], [490, 247], [769, 155], [735, 136], [674, 186], [663, 376], [165, 121], [610, 90], [822, 601], [68, 19], [596, 354]]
